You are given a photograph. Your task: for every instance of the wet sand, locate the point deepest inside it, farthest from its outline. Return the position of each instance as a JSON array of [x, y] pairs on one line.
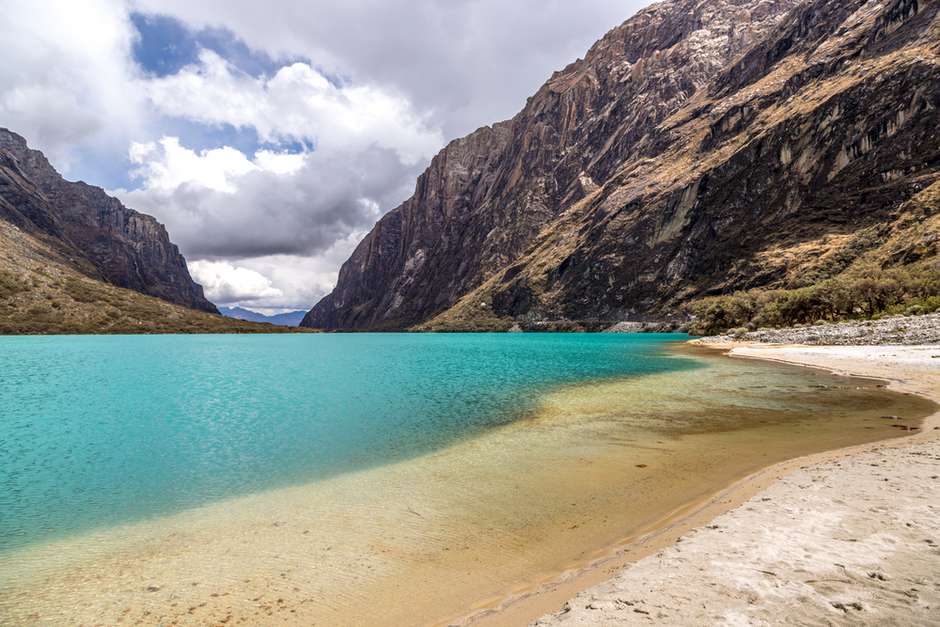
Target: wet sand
[[848, 537], [459, 532]]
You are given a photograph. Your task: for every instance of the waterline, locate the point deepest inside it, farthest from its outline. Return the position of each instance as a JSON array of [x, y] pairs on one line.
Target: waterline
[[422, 539]]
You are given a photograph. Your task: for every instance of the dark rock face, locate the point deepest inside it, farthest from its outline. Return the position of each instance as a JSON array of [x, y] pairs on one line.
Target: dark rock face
[[690, 153], [486, 197], [95, 232]]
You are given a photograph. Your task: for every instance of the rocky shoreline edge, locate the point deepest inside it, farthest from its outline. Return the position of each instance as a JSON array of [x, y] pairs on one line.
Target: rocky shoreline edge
[[899, 330]]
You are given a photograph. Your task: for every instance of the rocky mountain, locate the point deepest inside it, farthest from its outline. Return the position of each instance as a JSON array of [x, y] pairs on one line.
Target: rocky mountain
[[90, 231], [287, 319], [702, 147], [42, 292]]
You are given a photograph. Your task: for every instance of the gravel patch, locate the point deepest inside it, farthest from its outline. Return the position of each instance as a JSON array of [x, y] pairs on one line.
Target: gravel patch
[[900, 330]]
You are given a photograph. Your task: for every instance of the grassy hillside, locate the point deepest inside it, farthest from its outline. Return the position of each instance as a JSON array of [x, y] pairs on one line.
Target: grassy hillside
[[40, 293], [886, 269]]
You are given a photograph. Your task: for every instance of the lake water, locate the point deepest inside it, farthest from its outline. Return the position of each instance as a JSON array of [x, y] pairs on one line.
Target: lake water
[[105, 429], [333, 468]]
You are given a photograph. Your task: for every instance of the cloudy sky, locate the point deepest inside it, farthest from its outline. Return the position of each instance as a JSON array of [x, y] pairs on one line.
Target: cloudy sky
[[270, 136]]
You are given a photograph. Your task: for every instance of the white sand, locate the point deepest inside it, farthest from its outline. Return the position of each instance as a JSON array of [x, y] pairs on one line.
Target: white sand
[[848, 538]]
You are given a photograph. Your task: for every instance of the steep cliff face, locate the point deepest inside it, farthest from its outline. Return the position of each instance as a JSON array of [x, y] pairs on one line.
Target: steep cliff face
[[411, 263], [93, 231], [702, 147], [485, 198]]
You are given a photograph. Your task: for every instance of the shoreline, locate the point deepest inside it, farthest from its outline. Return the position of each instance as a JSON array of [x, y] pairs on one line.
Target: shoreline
[[159, 570], [554, 595]]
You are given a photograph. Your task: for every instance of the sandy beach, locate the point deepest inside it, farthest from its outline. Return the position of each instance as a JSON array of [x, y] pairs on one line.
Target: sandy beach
[[848, 537]]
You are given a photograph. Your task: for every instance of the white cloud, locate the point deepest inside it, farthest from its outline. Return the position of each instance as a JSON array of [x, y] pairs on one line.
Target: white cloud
[[468, 63], [296, 104], [274, 283], [304, 280], [279, 162], [223, 204], [225, 283], [66, 75], [166, 165]]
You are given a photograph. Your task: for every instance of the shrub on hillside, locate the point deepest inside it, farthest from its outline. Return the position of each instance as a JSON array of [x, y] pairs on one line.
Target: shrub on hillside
[[863, 293], [11, 284]]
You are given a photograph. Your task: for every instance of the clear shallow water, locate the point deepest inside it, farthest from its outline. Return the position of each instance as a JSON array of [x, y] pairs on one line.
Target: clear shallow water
[[394, 480], [96, 431]]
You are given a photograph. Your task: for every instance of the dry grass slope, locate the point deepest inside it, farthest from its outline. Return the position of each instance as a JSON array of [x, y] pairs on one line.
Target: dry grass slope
[[41, 293]]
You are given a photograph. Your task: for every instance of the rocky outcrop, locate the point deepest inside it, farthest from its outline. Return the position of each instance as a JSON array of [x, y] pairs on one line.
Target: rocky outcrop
[[93, 231], [701, 147]]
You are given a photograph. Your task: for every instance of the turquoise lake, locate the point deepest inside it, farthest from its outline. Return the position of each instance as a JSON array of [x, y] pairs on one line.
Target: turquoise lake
[[99, 430]]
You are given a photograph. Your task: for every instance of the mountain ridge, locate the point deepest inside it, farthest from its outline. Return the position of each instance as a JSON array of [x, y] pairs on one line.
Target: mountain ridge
[[93, 231], [41, 292], [286, 319], [698, 149]]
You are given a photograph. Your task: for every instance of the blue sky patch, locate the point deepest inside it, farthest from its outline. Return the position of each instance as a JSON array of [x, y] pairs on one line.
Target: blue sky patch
[[166, 45], [107, 170], [197, 136]]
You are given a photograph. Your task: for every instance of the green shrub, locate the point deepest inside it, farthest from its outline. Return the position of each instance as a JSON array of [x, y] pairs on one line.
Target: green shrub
[[11, 284], [866, 292], [82, 291]]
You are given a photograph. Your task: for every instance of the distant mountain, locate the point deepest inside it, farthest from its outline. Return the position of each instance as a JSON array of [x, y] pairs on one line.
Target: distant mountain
[[702, 148], [289, 319]]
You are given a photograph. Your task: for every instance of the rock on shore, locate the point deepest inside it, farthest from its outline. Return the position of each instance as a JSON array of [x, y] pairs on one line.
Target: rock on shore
[[900, 330]]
